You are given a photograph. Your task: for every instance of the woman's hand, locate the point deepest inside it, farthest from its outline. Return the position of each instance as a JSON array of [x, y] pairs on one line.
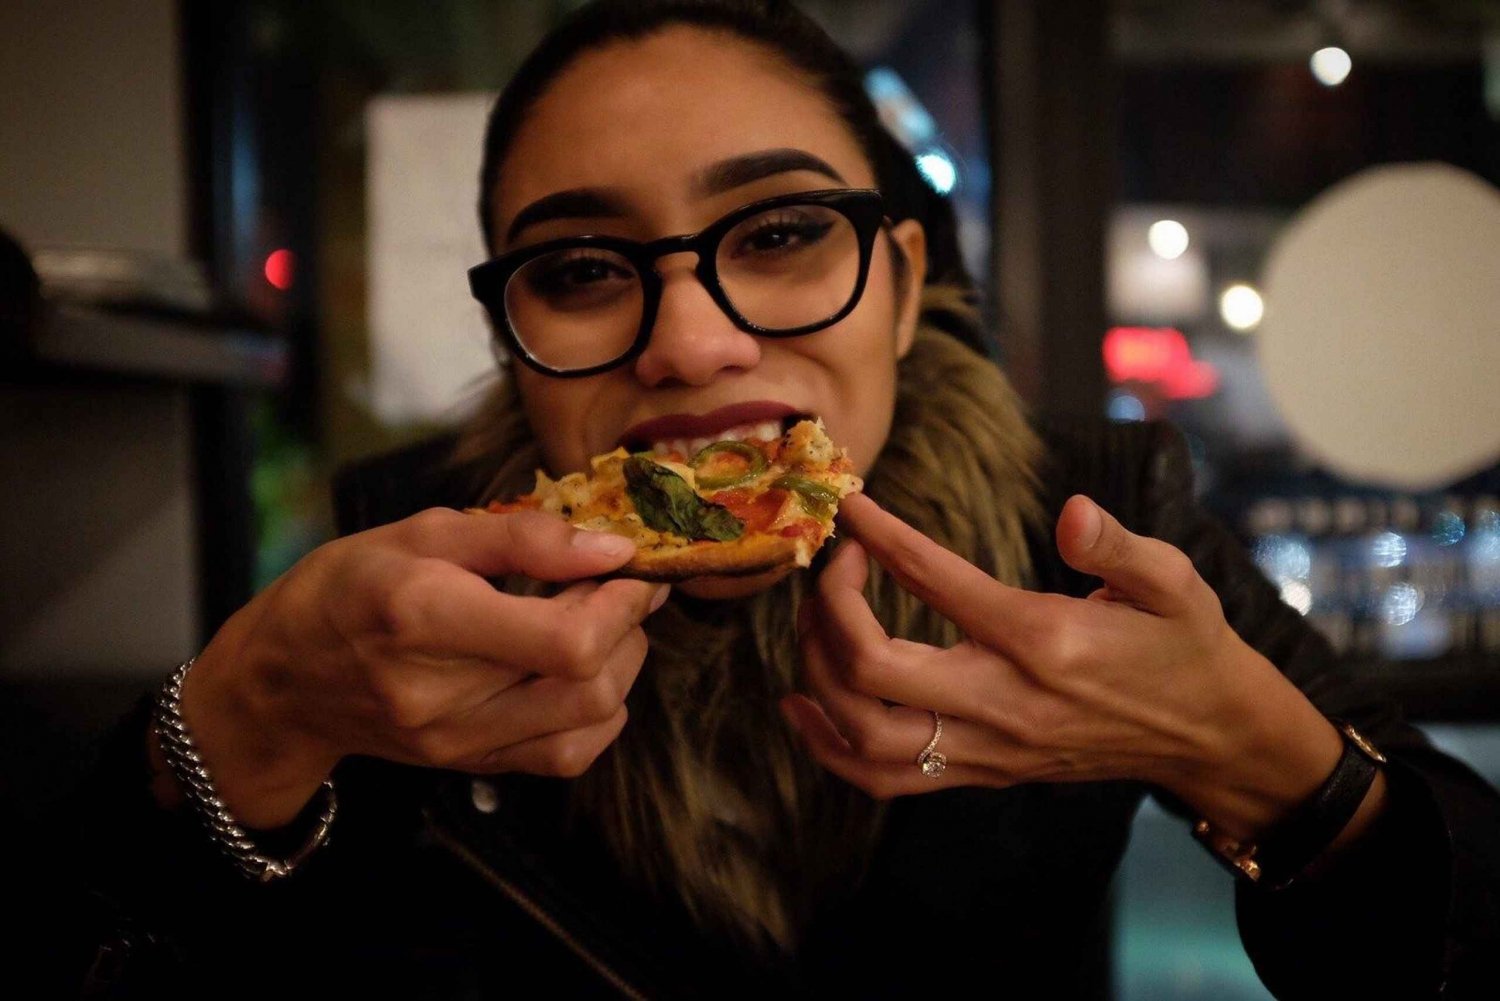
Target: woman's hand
[[1142, 680], [391, 643]]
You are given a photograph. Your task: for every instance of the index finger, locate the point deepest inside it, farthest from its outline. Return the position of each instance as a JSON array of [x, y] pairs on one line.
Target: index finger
[[1002, 616], [533, 544], [568, 635]]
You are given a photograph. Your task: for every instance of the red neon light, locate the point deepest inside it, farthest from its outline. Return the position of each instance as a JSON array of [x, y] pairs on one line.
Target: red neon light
[[279, 269], [1159, 355]]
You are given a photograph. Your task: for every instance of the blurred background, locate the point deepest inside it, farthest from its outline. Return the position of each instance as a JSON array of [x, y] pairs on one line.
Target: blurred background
[[232, 243]]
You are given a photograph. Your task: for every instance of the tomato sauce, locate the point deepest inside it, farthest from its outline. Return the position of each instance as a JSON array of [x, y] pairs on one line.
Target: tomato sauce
[[757, 511], [526, 503], [806, 529]]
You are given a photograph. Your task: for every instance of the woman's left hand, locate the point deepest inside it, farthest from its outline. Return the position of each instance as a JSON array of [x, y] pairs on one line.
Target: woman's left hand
[[1144, 679]]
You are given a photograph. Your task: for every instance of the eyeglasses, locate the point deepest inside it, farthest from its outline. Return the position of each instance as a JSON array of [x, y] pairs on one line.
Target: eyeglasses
[[779, 267]]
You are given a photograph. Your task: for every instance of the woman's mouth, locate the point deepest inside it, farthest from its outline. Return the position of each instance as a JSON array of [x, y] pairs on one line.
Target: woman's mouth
[[754, 430], [686, 434]]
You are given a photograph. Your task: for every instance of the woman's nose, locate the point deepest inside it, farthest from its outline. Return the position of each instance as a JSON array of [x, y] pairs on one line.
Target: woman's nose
[[692, 341]]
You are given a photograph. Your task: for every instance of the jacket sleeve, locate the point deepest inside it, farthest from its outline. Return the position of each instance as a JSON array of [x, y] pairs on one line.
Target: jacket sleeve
[[1412, 910], [147, 900], [143, 904], [126, 857]]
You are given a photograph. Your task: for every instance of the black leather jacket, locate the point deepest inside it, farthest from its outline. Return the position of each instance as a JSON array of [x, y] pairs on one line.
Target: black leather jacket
[[422, 894]]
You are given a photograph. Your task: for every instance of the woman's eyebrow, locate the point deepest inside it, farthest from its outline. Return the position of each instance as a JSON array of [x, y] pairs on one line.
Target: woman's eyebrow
[[730, 173], [575, 203], [716, 178]]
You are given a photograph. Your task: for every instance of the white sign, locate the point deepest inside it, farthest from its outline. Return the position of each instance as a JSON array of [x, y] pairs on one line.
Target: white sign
[[429, 340], [1381, 338]]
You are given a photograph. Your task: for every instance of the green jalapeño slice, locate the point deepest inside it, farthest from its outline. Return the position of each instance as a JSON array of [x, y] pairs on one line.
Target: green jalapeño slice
[[711, 456], [818, 499]]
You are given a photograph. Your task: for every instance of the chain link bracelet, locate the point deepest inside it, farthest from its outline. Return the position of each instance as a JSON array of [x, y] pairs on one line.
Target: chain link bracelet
[[188, 769]]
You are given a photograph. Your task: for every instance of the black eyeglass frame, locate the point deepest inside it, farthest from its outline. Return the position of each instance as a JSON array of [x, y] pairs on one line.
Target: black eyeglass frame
[[861, 206]]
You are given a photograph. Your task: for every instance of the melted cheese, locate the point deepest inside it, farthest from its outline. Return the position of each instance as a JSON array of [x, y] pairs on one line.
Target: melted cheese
[[807, 444], [598, 502]]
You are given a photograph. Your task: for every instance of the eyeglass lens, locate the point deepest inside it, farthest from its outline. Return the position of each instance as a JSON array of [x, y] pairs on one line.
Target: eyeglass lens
[[790, 266]]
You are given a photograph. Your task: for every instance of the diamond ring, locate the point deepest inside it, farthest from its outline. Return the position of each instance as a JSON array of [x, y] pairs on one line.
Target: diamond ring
[[933, 762]]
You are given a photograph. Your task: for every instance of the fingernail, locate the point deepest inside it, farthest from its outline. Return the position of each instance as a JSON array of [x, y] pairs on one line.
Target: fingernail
[[1093, 526], [604, 543], [660, 598]]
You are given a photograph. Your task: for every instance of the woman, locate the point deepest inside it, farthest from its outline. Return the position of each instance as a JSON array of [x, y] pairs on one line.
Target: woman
[[762, 825]]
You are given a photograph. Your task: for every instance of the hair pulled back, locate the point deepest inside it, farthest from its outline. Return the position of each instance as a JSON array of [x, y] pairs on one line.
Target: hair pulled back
[[779, 27]]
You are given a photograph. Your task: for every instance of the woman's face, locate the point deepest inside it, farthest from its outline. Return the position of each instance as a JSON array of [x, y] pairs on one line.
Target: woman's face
[[668, 134]]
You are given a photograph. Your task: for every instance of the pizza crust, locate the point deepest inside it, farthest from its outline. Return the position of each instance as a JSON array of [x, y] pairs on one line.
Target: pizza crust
[[748, 555]]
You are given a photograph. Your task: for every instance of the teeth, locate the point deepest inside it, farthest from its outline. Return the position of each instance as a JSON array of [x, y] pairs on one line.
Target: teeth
[[689, 447]]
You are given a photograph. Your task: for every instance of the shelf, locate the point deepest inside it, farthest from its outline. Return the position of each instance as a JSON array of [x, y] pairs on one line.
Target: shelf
[[87, 339]]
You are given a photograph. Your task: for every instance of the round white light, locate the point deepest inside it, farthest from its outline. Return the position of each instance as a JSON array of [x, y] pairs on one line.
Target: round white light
[[939, 171], [1168, 239], [1241, 307], [1400, 604], [1298, 595], [1388, 550], [1331, 65]]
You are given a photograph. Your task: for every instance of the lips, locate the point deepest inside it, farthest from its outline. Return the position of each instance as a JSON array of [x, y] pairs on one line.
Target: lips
[[688, 426]]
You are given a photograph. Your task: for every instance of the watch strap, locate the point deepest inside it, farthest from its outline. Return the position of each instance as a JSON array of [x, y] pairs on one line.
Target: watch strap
[[1292, 845]]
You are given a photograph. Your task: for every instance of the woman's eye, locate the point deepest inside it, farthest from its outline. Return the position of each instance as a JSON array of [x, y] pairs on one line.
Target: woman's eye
[[566, 276], [580, 273], [771, 236]]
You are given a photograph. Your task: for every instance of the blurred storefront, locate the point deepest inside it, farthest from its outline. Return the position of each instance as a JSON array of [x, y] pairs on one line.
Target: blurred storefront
[[1235, 123]]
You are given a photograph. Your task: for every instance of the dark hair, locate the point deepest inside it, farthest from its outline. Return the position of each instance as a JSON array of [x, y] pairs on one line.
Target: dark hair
[[776, 25]]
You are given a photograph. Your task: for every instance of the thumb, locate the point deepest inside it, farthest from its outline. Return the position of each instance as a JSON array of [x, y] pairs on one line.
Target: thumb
[[1146, 572], [530, 543]]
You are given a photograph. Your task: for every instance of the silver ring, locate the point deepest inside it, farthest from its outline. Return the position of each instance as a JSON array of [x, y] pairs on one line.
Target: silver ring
[[933, 762]]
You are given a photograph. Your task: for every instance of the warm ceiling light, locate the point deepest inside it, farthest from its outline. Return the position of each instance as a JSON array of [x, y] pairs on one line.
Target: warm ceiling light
[[1241, 307], [1168, 239], [1331, 65]]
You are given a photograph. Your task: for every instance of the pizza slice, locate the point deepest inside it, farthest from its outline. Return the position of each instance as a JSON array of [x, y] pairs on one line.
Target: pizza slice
[[733, 508]]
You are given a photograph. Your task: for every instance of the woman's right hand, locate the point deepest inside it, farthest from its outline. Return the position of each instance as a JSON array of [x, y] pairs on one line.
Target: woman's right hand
[[391, 643]]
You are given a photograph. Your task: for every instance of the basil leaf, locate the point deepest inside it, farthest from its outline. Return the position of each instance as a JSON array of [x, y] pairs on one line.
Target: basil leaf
[[666, 503], [717, 523]]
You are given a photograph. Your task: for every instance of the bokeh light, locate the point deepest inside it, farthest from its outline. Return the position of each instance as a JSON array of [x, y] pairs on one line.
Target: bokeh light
[[1123, 406], [938, 170], [1388, 550], [1400, 604], [1283, 558], [1168, 239], [1241, 307], [1448, 528], [1298, 595], [1331, 65], [279, 269]]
